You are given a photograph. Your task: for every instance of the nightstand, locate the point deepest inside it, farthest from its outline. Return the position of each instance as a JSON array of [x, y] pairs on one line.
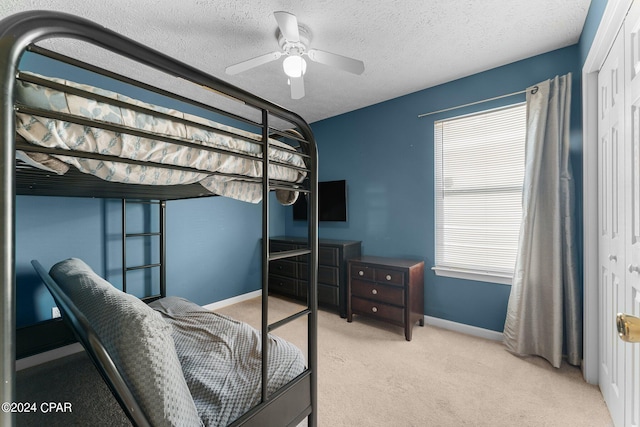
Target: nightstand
[[387, 289]]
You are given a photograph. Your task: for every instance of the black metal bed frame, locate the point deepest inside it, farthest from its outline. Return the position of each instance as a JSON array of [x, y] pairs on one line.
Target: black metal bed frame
[[19, 33]]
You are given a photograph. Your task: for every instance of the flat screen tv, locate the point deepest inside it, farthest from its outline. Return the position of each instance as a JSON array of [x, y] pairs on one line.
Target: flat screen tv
[[332, 202]]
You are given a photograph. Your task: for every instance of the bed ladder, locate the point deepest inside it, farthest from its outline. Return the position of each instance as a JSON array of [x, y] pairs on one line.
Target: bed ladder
[[160, 234], [305, 383]]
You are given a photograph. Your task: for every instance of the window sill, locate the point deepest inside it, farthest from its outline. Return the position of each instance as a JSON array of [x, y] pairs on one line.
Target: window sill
[[503, 279]]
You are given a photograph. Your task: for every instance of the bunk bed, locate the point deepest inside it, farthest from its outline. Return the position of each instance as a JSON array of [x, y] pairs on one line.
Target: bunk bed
[[49, 148]]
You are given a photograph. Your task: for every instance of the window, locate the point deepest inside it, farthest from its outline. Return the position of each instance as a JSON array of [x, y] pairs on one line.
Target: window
[[479, 174]]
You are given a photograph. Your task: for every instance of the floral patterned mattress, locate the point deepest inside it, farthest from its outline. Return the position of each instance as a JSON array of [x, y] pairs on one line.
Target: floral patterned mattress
[[219, 172]]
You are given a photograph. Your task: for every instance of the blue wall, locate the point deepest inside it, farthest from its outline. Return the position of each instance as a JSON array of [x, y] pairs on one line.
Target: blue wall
[[596, 10], [50, 229], [384, 151], [386, 155], [391, 192]]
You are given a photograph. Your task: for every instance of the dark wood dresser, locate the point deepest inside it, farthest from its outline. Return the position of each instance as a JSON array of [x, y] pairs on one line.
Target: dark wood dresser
[[387, 289], [289, 276]]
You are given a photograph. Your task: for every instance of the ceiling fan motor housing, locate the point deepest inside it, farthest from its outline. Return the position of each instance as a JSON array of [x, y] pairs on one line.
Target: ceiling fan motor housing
[[295, 47]]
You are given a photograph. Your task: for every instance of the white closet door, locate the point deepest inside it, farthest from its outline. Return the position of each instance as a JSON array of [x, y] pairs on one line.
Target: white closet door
[[611, 227], [632, 220]]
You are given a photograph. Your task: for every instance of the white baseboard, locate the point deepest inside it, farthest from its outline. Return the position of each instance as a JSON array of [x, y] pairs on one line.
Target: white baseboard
[[47, 356], [462, 328], [234, 300]]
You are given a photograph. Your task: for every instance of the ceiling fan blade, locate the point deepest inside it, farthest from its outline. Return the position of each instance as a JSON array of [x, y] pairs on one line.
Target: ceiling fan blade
[[297, 87], [253, 62], [338, 61], [288, 24]]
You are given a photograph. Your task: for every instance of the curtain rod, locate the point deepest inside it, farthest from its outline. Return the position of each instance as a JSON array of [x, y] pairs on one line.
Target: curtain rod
[[476, 102]]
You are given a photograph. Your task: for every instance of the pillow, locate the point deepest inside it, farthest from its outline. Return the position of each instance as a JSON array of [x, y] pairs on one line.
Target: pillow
[[137, 339]]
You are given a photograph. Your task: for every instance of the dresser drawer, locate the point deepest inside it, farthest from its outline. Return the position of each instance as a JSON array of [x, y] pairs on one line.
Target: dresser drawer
[[326, 294], [282, 246], [326, 275], [362, 272], [377, 310], [285, 285], [378, 292], [283, 267], [389, 276], [328, 256], [329, 275]]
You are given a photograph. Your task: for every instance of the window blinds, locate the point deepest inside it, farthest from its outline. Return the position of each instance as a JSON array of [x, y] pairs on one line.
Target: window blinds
[[479, 174]]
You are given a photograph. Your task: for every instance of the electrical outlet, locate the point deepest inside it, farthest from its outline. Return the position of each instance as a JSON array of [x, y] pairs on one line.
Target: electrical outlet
[[55, 312]]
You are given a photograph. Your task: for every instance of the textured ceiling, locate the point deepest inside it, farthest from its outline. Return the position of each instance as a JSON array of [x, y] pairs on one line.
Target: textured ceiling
[[406, 45]]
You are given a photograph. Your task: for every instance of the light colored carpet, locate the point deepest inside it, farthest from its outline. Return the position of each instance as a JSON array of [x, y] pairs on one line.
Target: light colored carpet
[[369, 375]]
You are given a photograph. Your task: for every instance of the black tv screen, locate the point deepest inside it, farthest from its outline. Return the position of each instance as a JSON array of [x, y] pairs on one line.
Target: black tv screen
[[332, 202]]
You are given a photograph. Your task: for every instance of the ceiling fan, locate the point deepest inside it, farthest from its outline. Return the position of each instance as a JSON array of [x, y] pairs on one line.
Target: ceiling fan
[[294, 44]]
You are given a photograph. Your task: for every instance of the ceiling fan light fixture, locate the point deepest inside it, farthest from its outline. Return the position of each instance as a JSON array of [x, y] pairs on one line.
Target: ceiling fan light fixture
[[294, 66], [293, 40]]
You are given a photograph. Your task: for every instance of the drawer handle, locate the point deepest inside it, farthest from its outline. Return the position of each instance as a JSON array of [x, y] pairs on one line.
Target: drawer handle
[[374, 309], [388, 277], [374, 291], [360, 273]]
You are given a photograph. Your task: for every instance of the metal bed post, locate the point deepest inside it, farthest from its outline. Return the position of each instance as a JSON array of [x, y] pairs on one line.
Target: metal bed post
[[163, 248], [312, 332], [124, 245], [312, 251], [11, 51], [265, 253]]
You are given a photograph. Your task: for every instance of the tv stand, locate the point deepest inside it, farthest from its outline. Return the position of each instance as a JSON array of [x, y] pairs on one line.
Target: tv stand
[[289, 276]]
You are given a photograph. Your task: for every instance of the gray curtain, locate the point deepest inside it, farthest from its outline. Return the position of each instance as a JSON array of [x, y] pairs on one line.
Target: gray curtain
[[544, 315]]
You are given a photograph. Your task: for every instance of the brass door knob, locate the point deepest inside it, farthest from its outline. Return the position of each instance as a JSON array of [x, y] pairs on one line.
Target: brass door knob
[[628, 327]]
